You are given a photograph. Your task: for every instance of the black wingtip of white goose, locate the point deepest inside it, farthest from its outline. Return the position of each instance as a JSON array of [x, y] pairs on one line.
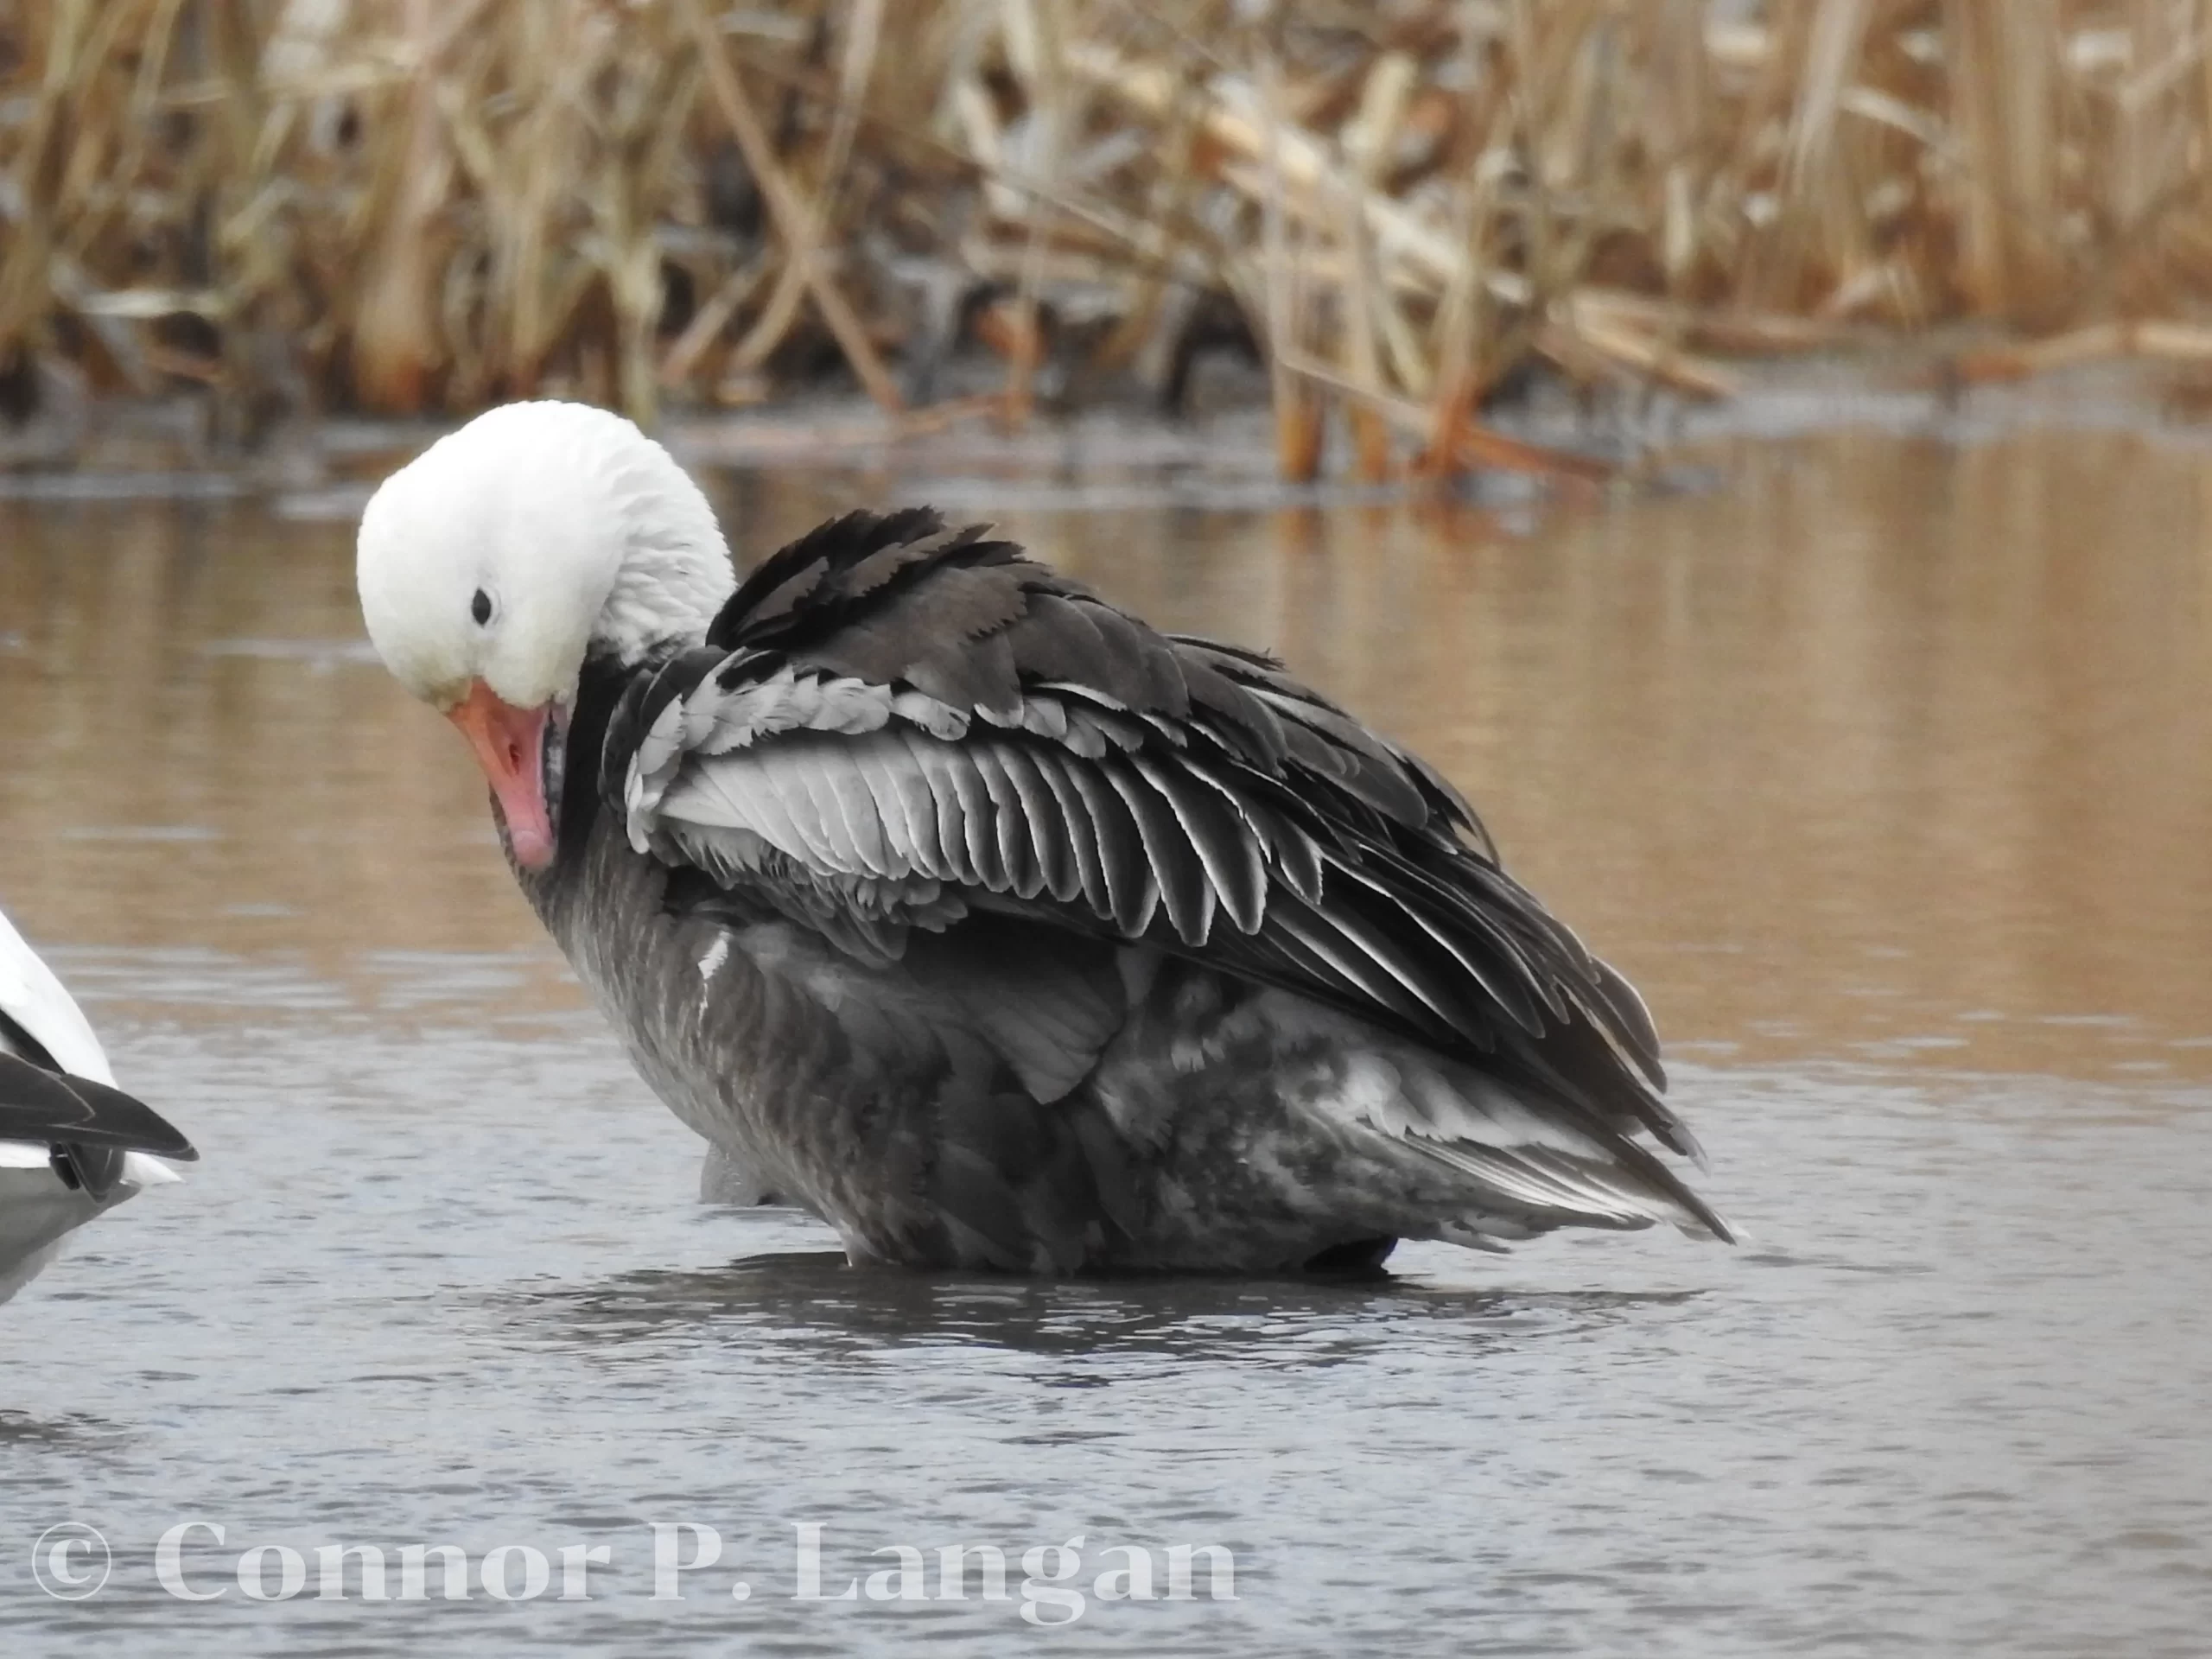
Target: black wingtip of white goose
[[60, 1108], [72, 1144]]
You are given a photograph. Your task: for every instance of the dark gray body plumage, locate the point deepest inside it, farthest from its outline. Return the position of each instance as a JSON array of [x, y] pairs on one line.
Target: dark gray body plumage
[[1002, 931]]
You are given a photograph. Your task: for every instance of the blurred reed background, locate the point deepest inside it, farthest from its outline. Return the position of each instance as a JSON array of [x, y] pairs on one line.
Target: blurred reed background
[[1389, 207]]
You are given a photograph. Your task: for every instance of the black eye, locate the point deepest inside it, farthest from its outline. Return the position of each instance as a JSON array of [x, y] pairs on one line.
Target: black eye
[[480, 608]]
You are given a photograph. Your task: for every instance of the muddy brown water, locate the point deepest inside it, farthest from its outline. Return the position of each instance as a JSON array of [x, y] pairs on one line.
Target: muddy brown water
[[1884, 767]]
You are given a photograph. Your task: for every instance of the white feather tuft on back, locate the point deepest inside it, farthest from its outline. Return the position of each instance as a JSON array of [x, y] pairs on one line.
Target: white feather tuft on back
[[143, 1169]]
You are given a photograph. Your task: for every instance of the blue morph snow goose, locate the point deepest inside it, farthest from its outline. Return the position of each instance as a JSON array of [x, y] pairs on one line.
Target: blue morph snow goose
[[72, 1144], [983, 920]]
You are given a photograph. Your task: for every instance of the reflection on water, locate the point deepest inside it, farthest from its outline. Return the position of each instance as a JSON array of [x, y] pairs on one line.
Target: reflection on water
[[1884, 768], [814, 1301]]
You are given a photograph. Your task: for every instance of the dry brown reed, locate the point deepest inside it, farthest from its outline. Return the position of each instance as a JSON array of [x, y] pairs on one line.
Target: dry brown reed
[[415, 205]]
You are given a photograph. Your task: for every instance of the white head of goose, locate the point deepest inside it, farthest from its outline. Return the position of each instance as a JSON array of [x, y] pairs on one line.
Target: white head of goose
[[973, 914], [72, 1144]]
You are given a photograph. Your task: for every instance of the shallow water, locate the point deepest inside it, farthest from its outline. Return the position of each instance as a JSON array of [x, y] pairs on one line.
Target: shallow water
[[1883, 766]]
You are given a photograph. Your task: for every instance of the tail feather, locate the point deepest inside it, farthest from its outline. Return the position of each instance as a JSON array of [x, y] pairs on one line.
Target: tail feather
[[1531, 1162]]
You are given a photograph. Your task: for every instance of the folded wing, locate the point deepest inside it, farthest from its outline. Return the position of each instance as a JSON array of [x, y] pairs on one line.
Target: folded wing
[[894, 725]]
